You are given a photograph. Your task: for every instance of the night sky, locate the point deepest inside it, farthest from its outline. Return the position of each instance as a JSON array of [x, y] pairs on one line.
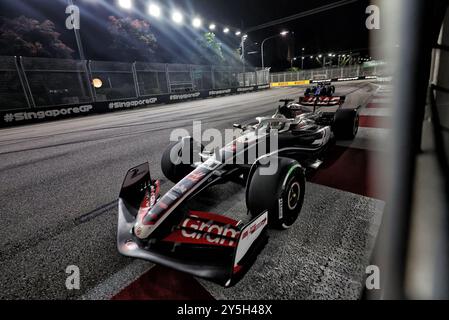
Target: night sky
[[338, 30]]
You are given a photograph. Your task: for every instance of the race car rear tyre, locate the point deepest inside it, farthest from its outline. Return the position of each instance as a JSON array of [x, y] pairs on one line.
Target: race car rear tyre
[[346, 124], [281, 193], [175, 171]]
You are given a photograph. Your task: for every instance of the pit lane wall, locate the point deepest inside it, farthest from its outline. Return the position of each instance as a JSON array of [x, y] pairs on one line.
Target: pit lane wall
[[36, 115]]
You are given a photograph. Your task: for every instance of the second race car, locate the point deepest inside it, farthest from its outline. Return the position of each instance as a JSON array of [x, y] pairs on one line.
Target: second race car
[[321, 89]]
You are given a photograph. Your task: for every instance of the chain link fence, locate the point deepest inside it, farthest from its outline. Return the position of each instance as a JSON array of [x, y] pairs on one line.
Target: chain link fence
[[55, 82], [332, 73], [40, 82], [12, 88], [152, 79], [116, 78]]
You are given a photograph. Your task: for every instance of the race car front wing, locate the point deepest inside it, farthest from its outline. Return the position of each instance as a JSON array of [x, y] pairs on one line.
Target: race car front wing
[[203, 244]]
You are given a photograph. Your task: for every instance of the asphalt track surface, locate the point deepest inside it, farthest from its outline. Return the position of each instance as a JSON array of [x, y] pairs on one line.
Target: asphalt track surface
[[60, 181]]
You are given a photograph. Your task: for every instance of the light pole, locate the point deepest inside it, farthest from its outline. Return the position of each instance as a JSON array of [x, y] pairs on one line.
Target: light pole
[[242, 44], [283, 33], [322, 61], [291, 62], [302, 58]]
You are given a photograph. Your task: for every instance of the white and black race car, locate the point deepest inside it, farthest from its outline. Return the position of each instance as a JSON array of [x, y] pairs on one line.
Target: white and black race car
[[162, 230]]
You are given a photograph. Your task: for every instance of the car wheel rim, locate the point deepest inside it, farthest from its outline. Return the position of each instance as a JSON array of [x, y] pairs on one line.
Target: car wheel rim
[[356, 126], [293, 196]]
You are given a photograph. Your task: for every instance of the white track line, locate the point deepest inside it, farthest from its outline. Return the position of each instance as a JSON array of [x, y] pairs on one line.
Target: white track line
[[118, 281], [382, 100], [376, 112], [372, 139]]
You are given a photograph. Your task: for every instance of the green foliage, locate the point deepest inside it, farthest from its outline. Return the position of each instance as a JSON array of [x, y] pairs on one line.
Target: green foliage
[[28, 37], [211, 48], [132, 39]]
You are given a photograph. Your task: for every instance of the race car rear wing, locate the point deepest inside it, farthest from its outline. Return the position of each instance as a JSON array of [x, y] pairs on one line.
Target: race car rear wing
[[322, 101], [206, 245]]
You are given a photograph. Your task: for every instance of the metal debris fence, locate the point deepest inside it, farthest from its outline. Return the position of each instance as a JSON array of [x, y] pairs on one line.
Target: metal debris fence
[[27, 83]]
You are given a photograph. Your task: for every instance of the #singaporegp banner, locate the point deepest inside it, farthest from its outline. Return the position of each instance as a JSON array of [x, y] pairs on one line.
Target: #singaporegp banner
[[36, 115]]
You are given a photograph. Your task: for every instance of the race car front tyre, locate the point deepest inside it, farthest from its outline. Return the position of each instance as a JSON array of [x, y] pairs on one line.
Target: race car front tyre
[[281, 192], [174, 164], [346, 124]]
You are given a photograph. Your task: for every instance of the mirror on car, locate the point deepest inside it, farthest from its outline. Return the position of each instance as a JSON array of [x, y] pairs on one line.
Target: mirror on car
[[237, 126]]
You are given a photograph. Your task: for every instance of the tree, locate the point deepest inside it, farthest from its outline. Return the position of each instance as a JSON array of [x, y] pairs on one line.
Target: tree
[[132, 39], [28, 37], [211, 49]]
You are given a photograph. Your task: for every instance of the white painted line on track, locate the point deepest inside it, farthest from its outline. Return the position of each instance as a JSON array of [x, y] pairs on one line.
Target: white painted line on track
[[118, 281], [382, 100], [376, 112], [372, 139]]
